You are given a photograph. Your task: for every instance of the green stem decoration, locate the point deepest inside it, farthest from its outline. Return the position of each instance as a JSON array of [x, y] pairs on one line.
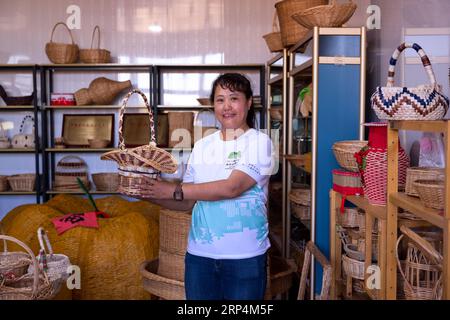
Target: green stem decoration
[[86, 191]]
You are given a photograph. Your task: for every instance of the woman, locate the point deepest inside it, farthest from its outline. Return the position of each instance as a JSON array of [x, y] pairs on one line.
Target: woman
[[226, 178]]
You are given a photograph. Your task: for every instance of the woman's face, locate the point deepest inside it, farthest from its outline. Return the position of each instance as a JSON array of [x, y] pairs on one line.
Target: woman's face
[[231, 108]]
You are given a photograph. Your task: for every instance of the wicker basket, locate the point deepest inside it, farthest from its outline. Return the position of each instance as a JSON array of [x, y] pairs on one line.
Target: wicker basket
[[13, 265], [95, 55], [22, 182], [273, 39], [160, 286], [68, 169], [431, 193], [352, 267], [291, 31], [138, 164], [60, 53], [348, 218], [174, 230], [344, 152], [3, 183], [331, 15], [106, 181], [421, 173], [300, 211]]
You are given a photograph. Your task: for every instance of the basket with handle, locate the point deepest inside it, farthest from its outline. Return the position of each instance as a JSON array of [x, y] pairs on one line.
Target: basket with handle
[[138, 164], [200, 130], [23, 139], [12, 264], [273, 39], [330, 15], [425, 102], [68, 169], [34, 286], [54, 265], [60, 53], [95, 55]]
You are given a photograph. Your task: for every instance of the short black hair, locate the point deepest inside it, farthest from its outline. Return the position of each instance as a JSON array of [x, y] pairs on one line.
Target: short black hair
[[235, 82]]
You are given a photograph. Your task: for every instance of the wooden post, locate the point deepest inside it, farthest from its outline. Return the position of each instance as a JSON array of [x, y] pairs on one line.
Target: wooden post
[[382, 257], [391, 236]]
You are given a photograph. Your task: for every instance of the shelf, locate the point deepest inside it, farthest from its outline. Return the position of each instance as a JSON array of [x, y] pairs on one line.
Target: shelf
[[81, 192], [415, 206], [56, 150], [88, 107], [17, 193], [276, 79], [16, 108], [428, 126], [297, 71], [11, 150], [198, 107], [361, 202]]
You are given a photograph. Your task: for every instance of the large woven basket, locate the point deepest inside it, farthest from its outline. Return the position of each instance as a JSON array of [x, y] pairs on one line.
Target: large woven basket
[[174, 230], [291, 31], [431, 193], [106, 181], [22, 182], [60, 53], [425, 102], [68, 169], [331, 15], [138, 164], [273, 39], [344, 152], [158, 285], [95, 55], [421, 173]]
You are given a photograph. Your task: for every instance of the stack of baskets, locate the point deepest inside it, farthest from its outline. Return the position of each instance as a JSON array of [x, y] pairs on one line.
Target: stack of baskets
[[164, 277], [428, 184], [300, 199]]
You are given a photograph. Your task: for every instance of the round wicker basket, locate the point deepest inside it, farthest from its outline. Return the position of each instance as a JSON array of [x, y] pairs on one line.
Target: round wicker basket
[[60, 53], [106, 181], [95, 55], [431, 193], [344, 152], [421, 173]]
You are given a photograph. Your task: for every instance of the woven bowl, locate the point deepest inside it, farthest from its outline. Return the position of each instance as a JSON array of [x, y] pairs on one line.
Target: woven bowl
[[98, 143], [431, 193], [344, 151]]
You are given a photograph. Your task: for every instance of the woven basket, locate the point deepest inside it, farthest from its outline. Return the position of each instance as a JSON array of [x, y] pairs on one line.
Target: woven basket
[[431, 193], [95, 55], [300, 211], [347, 182], [291, 31], [3, 183], [103, 91], [22, 182], [60, 53], [344, 152], [174, 230], [13, 264], [273, 39], [348, 218], [425, 102], [106, 181], [331, 15], [158, 285], [171, 265], [421, 173], [352, 267], [68, 169], [181, 126], [138, 164], [301, 196]]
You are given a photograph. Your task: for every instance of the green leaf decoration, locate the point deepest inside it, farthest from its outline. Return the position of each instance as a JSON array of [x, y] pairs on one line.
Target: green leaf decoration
[[86, 191]]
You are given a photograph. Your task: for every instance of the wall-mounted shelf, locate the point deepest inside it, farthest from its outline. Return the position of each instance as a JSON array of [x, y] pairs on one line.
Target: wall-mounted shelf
[[87, 150]]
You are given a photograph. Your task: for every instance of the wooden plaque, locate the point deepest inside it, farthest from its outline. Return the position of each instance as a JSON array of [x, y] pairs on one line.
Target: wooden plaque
[[78, 128]]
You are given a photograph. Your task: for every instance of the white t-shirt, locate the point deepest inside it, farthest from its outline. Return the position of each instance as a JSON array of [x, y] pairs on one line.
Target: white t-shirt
[[234, 228]]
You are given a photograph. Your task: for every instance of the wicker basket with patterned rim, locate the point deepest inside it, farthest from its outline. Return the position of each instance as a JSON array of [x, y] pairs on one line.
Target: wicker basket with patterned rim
[[344, 152], [138, 164], [22, 182], [330, 15], [431, 193], [421, 173]]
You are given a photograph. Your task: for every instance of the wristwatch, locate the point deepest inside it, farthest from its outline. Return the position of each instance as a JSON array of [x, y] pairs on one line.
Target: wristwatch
[[178, 193]]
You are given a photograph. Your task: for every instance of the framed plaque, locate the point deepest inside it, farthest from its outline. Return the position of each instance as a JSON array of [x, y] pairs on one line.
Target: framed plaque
[[78, 128], [136, 129]]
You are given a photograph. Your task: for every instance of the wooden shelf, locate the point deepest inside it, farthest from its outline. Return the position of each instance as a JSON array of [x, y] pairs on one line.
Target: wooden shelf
[[415, 206], [428, 126], [198, 107], [17, 193], [16, 108], [302, 69], [56, 150], [21, 150], [81, 192], [88, 107], [361, 202], [276, 79]]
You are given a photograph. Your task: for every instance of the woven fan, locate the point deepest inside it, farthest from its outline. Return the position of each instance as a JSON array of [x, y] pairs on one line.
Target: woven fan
[[142, 161]]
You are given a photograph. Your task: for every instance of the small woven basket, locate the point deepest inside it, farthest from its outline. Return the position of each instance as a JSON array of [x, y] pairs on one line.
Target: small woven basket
[[95, 55], [68, 169], [3, 183], [344, 152], [106, 181], [158, 285], [421, 173], [273, 39], [60, 53], [431, 193], [352, 267], [348, 218], [22, 182], [331, 15]]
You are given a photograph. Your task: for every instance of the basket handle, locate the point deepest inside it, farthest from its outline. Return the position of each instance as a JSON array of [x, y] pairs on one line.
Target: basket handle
[[423, 56], [423, 244], [43, 236], [93, 35], [33, 259], [152, 141], [66, 158], [25, 119], [70, 32]]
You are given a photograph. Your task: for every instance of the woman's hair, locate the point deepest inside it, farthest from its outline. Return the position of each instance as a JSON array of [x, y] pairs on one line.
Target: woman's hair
[[236, 82]]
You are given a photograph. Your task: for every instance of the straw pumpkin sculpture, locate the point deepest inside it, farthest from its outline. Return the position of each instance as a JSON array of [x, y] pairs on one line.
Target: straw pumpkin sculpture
[[108, 257]]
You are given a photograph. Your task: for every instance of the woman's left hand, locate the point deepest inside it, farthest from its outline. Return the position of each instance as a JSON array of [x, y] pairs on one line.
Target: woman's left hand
[[157, 189]]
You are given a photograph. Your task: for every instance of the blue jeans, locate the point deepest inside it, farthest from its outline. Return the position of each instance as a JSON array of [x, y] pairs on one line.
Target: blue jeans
[[225, 279]]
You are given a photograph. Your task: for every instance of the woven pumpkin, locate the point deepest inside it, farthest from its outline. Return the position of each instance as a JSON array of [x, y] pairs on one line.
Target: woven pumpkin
[[109, 257]]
